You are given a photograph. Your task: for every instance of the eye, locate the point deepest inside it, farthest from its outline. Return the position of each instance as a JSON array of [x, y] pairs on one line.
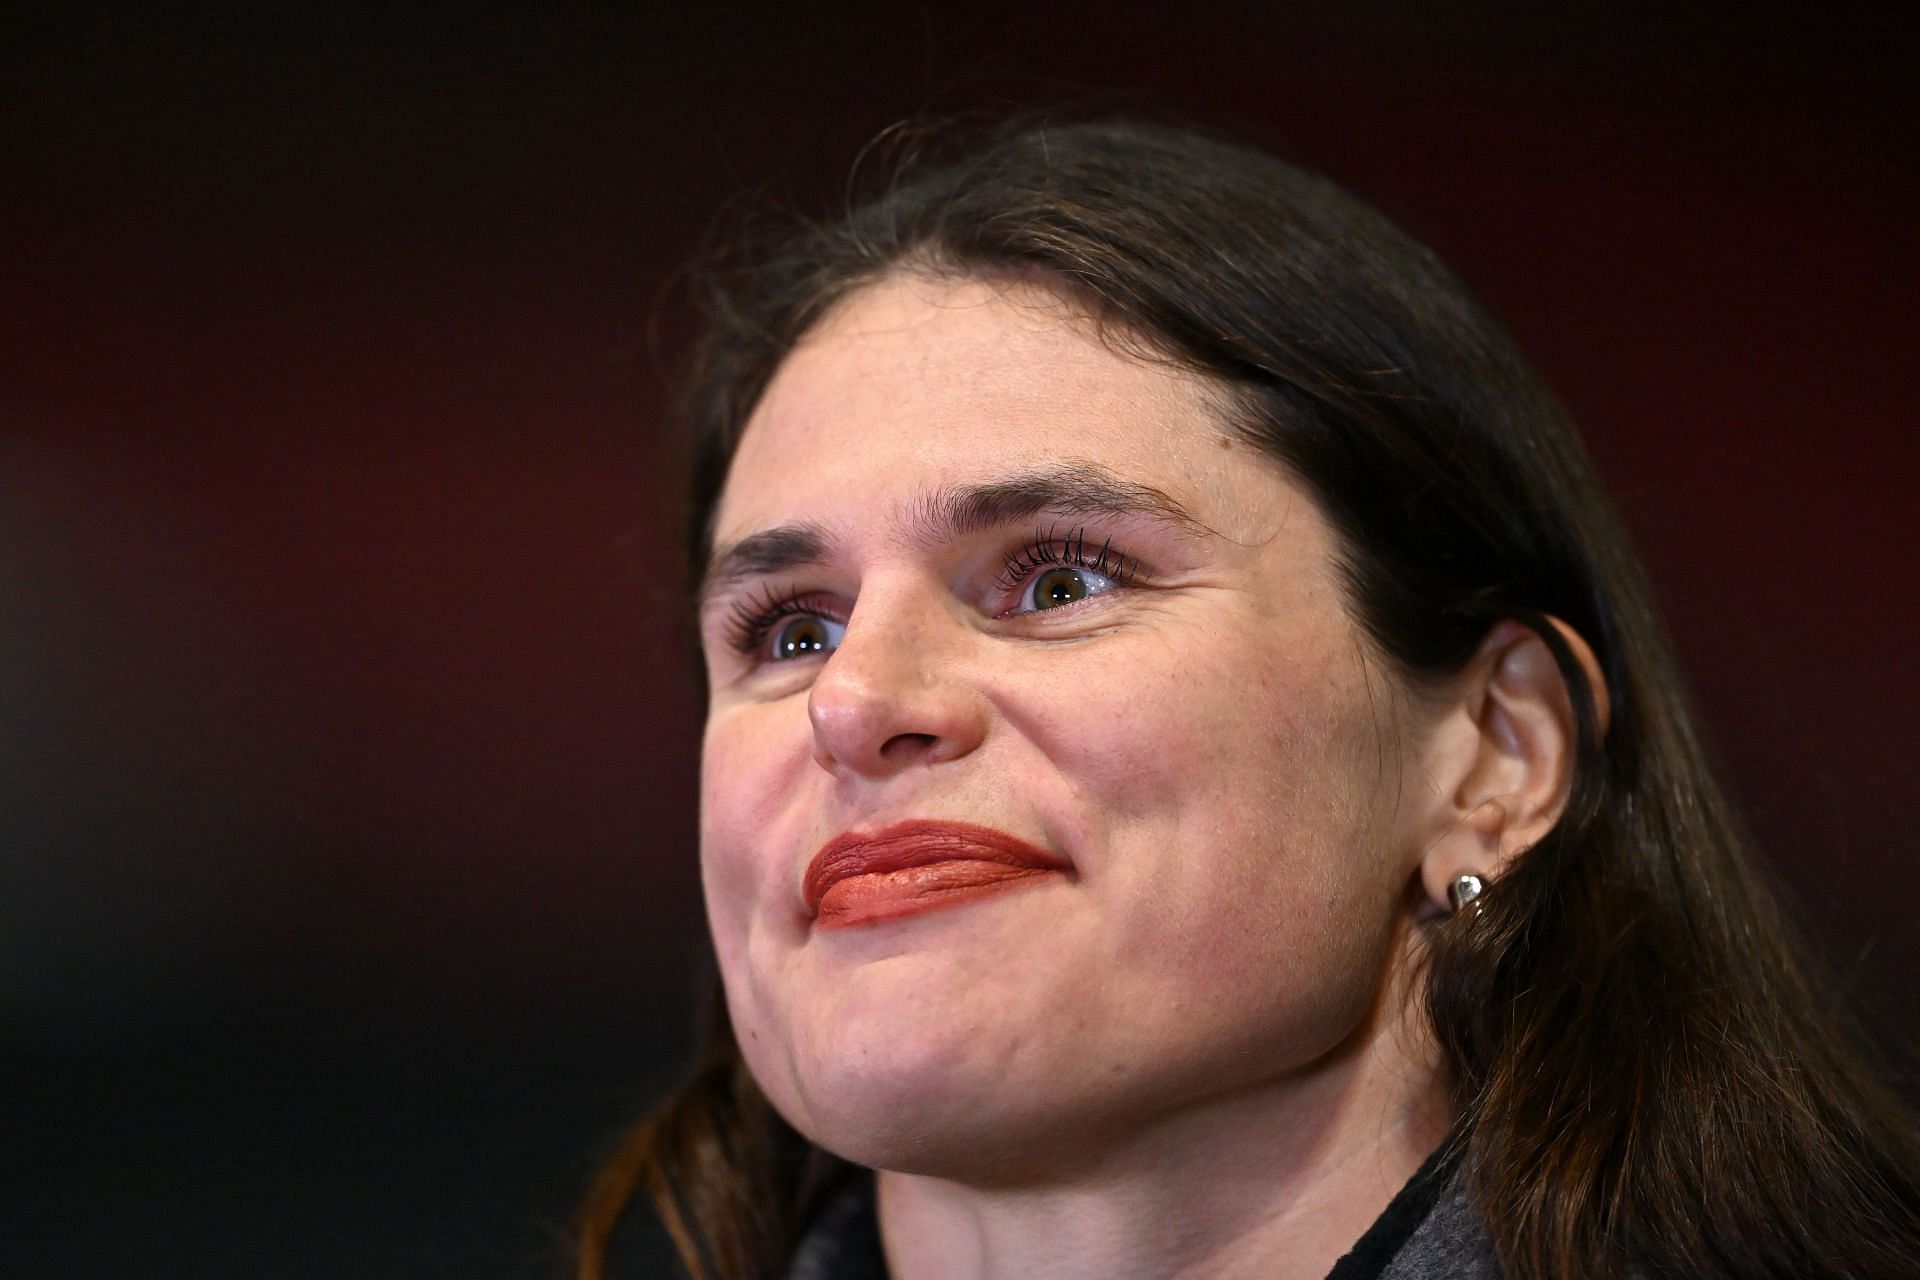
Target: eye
[[1057, 570], [779, 626], [1062, 585], [803, 637]]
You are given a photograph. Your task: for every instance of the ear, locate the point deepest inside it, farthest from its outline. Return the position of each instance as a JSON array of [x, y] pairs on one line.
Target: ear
[[1502, 760]]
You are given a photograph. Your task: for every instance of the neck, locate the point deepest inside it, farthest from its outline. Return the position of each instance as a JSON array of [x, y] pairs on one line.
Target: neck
[[1276, 1183]]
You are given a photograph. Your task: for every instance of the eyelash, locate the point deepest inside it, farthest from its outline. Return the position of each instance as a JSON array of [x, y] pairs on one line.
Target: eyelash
[[1048, 549], [753, 619]]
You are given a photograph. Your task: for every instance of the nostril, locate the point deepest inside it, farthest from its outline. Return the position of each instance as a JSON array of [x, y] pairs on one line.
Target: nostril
[[901, 744]]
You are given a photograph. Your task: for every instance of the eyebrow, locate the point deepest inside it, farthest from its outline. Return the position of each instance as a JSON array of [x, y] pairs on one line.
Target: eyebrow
[[953, 512]]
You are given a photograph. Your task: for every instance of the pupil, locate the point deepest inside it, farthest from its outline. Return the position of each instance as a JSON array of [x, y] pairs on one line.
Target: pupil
[[1061, 586], [805, 636]]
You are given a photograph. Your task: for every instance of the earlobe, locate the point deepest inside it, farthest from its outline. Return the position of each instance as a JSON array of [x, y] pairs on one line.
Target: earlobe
[[1470, 848], [1511, 770]]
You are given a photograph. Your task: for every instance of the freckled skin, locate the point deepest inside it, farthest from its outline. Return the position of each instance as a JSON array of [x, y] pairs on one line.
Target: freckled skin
[[1212, 747]]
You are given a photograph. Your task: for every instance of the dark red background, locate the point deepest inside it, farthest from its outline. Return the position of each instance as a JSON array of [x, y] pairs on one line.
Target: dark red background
[[347, 888]]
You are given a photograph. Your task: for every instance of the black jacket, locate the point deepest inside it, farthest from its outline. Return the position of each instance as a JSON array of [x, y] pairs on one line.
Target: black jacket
[[1428, 1232]]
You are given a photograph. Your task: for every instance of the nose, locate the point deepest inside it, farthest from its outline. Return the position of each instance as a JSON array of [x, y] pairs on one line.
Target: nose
[[895, 694]]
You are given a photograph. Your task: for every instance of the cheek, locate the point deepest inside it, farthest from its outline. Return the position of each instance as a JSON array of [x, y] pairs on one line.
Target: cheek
[[1242, 724], [1237, 777], [746, 772]]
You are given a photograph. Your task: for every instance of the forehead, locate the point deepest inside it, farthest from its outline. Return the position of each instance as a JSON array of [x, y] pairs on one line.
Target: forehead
[[912, 384]]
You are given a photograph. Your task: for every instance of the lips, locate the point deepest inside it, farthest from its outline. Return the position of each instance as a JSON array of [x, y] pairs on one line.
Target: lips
[[916, 866]]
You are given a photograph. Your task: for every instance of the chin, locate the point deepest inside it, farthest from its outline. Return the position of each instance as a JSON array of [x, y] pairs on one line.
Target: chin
[[934, 1096], [940, 1137]]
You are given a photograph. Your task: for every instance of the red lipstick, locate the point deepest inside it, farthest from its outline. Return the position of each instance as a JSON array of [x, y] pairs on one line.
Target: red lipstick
[[915, 866]]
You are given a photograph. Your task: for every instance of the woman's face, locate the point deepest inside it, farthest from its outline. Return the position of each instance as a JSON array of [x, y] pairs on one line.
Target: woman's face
[[1048, 790]]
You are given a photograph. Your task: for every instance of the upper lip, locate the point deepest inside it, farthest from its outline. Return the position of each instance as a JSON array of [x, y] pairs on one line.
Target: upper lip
[[917, 842]]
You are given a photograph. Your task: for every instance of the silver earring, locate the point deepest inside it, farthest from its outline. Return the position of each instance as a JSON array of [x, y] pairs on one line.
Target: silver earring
[[1464, 889]]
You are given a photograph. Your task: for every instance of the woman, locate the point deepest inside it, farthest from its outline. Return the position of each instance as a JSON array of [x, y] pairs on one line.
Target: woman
[[1194, 785]]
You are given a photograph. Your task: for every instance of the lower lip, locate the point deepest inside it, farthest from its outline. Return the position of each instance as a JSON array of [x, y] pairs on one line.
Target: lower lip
[[889, 895]]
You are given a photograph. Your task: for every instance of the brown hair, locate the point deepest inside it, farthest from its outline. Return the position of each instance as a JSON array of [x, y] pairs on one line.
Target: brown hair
[[1645, 1073]]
